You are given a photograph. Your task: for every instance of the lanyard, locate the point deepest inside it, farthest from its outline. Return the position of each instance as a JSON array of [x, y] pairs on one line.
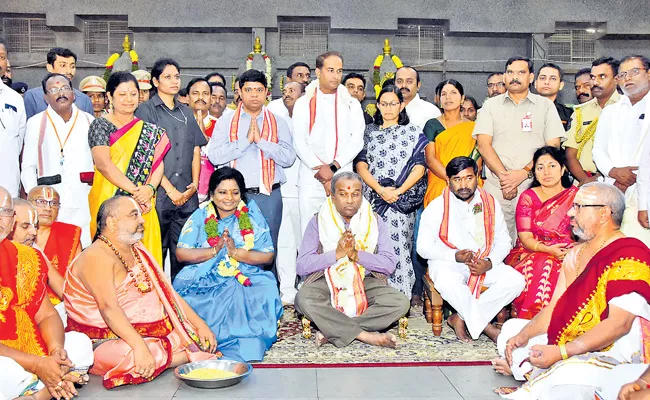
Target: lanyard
[[62, 145]]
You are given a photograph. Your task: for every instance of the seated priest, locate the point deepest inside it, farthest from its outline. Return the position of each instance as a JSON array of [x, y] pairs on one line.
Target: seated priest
[[60, 242], [117, 294], [344, 260], [597, 315], [36, 357], [464, 236], [25, 232]]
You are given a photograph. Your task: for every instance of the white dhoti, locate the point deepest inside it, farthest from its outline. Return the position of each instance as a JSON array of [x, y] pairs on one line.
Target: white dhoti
[[581, 375], [289, 240], [310, 199], [60, 308], [14, 380], [450, 280]]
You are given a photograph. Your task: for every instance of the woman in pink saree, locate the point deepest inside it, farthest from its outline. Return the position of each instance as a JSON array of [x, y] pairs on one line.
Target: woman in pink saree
[[544, 231]]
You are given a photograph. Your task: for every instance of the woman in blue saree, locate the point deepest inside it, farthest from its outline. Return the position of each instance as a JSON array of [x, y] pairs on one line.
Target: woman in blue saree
[[226, 243]]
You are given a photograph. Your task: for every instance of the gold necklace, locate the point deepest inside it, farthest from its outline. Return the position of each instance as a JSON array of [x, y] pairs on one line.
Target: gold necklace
[[142, 284], [578, 271]]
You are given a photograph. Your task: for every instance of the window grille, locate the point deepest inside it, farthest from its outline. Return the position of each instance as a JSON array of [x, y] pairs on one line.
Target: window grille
[[105, 37], [572, 45], [303, 38], [419, 42], [28, 35]]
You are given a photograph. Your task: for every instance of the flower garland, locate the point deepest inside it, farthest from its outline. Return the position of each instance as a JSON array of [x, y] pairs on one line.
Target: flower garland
[[229, 266], [376, 74], [114, 57]]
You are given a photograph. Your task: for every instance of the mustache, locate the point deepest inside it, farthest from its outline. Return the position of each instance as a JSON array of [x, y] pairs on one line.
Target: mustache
[[200, 102], [62, 97], [405, 89], [583, 95], [515, 81], [597, 87]]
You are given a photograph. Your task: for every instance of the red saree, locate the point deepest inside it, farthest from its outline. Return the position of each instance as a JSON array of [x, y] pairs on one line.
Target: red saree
[[549, 223], [618, 269]]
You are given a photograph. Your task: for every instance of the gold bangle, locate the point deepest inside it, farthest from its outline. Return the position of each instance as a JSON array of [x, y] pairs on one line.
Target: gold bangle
[[563, 352], [536, 245]]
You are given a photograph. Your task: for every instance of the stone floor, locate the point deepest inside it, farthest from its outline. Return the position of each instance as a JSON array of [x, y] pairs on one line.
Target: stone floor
[[441, 383]]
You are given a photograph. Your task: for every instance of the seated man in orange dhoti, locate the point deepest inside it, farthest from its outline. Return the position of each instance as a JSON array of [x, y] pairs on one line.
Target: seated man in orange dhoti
[[36, 357], [60, 242], [117, 295]]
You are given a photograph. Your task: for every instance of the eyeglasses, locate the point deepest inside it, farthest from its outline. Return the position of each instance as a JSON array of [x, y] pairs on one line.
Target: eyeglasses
[[498, 84], [631, 73], [391, 104], [579, 207], [42, 203], [57, 90], [7, 212]]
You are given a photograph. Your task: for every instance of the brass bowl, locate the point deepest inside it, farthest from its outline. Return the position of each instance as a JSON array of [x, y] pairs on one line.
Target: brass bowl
[[243, 369]]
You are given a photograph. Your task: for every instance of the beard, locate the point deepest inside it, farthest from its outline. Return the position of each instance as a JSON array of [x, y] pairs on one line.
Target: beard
[[582, 234], [131, 238]]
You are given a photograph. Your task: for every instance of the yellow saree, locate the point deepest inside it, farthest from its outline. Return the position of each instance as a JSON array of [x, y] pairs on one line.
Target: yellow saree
[[137, 149], [449, 143]]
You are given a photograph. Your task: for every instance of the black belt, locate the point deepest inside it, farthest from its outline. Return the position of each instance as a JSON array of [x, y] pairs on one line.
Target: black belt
[[257, 190]]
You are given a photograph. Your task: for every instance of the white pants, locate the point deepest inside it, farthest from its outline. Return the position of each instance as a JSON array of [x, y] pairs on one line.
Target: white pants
[[14, 379], [310, 199], [289, 240], [450, 280], [60, 308]]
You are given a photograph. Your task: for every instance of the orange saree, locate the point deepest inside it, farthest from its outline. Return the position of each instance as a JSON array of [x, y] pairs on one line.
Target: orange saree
[[22, 289], [155, 315], [61, 248]]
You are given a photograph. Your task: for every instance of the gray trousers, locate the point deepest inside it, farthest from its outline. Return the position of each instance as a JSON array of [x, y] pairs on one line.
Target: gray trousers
[[385, 306], [271, 207]]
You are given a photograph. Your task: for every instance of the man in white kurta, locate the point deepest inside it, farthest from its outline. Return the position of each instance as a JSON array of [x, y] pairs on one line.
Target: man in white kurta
[[290, 235], [456, 236], [407, 79], [621, 135], [12, 133], [57, 153], [328, 134]]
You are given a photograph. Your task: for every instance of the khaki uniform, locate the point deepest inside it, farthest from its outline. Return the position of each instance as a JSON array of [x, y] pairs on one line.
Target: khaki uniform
[[502, 119], [588, 114]]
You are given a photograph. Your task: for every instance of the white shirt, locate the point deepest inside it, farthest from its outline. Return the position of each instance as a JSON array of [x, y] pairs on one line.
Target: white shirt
[[12, 134], [290, 187], [620, 135], [77, 158], [643, 175], [420, 111], [466, 230], [320, 146]]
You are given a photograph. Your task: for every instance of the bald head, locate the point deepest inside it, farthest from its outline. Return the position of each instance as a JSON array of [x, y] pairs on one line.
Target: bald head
[[6, 213], [598, 208], [47, 201], [120, 219], [26, 223]]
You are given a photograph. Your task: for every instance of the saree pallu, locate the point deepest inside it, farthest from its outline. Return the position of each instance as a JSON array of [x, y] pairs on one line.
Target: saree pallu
[[61, 248], [156, 316], [243, 318], [450, 143], [137, 150], [549, 224]]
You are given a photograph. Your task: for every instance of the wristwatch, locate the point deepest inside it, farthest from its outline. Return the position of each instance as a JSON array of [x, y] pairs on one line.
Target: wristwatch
[[529, 171], [333, 167]]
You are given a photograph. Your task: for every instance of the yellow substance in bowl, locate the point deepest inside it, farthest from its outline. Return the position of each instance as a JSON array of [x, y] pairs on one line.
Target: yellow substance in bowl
[[209, 373]]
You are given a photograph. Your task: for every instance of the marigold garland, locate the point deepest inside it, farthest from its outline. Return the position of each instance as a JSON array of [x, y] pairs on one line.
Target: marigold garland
[[229, 266], [267, 73], [376, 74]]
